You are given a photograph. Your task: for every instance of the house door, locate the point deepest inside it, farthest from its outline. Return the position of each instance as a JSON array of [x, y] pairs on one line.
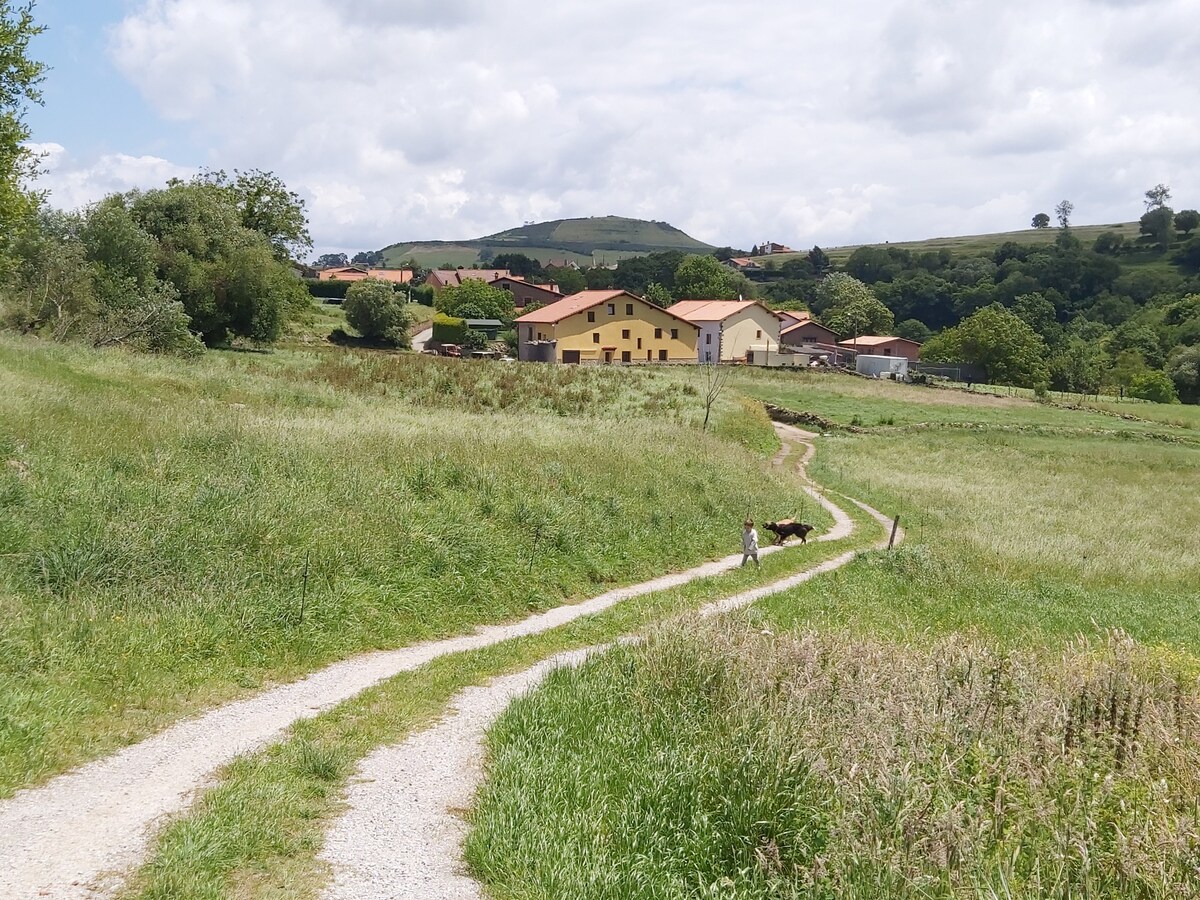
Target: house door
[[608, 356]]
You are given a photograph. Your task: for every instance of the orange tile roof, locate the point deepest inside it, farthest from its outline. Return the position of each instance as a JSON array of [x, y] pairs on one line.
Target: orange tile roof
[[709, 310], [555, 312], [457, 276], [874, 340]]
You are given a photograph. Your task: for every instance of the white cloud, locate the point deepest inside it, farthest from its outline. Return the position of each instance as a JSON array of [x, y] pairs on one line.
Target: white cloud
[[72, 183], [804, 123]]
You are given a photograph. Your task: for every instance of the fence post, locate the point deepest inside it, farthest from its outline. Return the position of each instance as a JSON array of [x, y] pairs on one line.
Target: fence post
[[895, 526]]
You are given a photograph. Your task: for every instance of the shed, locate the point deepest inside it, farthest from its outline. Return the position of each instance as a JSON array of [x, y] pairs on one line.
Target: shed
[[490, 327], [893, 367]]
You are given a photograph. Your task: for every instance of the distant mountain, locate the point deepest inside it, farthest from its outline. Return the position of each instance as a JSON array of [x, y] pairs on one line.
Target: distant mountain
[[603, 239]]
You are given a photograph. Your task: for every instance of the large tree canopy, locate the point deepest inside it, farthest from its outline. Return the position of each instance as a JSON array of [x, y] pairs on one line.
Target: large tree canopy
[[998, 341], [475, 299], [704, 278], [850, 308]]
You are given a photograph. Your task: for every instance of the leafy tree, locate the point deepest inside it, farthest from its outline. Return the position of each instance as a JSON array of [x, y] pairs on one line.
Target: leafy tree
[[331, 261], [20, 78], [1157, 197], [871, 264], [569, 281], [723, 254], [914, 330], [818, 261], [995, 339], [635, 273], [1157, 224], [754, 251], [1183, 368], [658, 295], [1186, 220], [368, 258], [519, 264], [599, 278], [1128, 365], [227, 276], [486, 255], [267, 206], [377, 312], [1188, 257], [851, 308], [1063, 213], [1038, 313], [1154, 386], [1041, 220], [1109, 243], [475, 299], [1079, 366], [703, 278]]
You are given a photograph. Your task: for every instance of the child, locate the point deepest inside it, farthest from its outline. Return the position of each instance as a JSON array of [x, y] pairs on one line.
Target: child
[[750, 543]]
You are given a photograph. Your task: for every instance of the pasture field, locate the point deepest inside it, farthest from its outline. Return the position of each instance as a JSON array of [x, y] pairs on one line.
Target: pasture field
[[1002, 707], [177, 533]]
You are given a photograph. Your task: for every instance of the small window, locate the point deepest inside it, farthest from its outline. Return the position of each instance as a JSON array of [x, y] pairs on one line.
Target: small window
[[612, 309], [657, 333], [708, 338], [595, 337], [674, 334], [887, 351], [629, 309], [625, 334], [662, 355], [529, 334], [758, 334], [591, 315], [639, 343], [626, 356]]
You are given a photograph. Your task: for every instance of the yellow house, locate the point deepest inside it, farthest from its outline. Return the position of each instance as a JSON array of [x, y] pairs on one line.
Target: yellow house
[[729, 328], [605, 327]]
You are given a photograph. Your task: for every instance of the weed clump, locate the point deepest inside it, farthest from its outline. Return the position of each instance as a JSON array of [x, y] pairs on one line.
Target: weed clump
[[725, 761]]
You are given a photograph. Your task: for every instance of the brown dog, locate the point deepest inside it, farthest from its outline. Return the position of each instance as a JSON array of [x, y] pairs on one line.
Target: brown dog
[[786, 528]]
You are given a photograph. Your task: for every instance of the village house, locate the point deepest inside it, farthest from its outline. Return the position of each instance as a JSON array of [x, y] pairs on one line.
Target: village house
[[440, 278], [883, 345], [605, 327], [729, 328], [525, 293], [360, 273], [742, 264], [798, 328]]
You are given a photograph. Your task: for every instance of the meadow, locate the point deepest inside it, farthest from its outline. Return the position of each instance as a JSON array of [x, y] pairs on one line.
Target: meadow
[[177, 533], [1002, 707]]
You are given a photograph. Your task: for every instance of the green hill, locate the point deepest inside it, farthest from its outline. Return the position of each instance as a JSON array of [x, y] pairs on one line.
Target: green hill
[[605, 239]]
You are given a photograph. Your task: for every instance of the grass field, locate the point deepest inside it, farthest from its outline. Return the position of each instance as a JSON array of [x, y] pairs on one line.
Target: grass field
[[1049, 578], [177, 533]]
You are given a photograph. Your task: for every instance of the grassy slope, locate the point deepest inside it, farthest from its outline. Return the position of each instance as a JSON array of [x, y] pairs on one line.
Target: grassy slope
[[157, 517], [1022, 538]]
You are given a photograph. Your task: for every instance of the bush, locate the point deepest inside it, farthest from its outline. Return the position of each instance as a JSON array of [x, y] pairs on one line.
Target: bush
[[1154, 386], [375, 311], [333, 289], [448, 329]]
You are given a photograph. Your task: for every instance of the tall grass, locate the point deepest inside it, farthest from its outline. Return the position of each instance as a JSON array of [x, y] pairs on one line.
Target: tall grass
[[176, 533], [721, 761]]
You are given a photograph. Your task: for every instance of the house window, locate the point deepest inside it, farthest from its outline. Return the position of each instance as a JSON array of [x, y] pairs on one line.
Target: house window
[[639, 343], [612, 309], [662, 355], [708, 338], [657, 333], [758, 334], [674, 334], [595, 337], [529, 334], [707, 356], [626, 356], [629, 309], [625, 334], [591, 315], [887, 351]]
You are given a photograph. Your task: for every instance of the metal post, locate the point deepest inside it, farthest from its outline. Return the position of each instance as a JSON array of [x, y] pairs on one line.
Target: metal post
[[895, 528]]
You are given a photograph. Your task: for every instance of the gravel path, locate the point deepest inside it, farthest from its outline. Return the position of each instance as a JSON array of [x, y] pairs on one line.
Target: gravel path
[[401, 836], [75, 835]]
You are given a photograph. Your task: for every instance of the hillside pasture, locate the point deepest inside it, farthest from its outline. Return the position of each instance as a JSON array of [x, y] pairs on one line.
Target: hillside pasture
[[174, 533]]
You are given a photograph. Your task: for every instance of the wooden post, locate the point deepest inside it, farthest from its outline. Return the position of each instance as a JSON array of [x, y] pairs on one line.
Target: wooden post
[[304, 589], [895, 527]]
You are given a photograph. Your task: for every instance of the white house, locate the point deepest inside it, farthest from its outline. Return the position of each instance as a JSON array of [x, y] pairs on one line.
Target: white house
[[729, 328]]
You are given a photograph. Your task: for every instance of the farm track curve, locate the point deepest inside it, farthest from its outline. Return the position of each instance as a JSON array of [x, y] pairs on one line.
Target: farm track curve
[[79, 834], [400, 837]]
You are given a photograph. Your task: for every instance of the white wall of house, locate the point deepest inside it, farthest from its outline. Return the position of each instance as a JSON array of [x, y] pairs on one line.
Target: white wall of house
[[753, 326], [709, 347]]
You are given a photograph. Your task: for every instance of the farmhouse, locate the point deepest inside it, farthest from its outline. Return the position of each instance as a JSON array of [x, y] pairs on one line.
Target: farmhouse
[[524, 293], [605, 327], [799, 329], [359, 273], [729, 328], [440, 278], [883, 345], [742, 263]]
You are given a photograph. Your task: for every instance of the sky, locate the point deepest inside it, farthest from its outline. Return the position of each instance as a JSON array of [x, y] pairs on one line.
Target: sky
[[802, 123]]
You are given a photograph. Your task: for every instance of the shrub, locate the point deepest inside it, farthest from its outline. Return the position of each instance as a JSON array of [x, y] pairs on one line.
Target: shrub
[[377, 313], [1153, 385], [331, 288], [448, 329]]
